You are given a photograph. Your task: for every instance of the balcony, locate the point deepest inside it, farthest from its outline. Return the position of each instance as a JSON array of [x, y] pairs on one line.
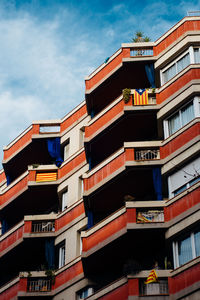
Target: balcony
[[116, 109], [128, 156], [134, 216], [158, 288], [135, 52]]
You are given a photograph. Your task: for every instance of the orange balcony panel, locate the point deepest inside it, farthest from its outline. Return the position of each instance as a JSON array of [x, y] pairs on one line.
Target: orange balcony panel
[[133, 287], [14, 190], [69, 216], [184, 279], [105, 171], [11, 239], [68, 274], [107, 69], [180, 140], [182, 204], [104, 119], [11, 292], [72, 164], [73, 118], [108, 169], [2, 177], [192, 74], [105, 232], [186, 26], [27, 226], [120, 293], [22, 141]]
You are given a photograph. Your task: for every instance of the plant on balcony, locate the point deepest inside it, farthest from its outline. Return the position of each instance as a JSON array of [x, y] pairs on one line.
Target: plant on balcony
[[139, 37], [51, 275], [126, 95]]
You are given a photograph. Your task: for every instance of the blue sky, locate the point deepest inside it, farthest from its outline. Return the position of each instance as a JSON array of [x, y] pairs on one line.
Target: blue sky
[[49, 46]]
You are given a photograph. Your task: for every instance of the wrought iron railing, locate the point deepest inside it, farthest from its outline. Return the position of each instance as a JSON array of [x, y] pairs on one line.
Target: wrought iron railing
[[43, 226], [150, 216], [39, 285], [157, 288], [147, 154], [142, 52]]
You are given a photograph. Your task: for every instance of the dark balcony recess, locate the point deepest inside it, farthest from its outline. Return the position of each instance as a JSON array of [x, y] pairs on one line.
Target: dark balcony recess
[[130, 75]]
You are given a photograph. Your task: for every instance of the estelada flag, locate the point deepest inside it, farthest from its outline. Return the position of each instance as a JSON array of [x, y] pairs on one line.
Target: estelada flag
[[140, 97], [152, 277]]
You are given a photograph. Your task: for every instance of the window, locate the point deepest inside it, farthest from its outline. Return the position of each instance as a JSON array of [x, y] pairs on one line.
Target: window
[[181, 118], [177, 66], [81, 136], [183, 178], [80, 187], [186, 248], [197, 55], [66, 150], [84, 293], [61, 255], [64, 200]]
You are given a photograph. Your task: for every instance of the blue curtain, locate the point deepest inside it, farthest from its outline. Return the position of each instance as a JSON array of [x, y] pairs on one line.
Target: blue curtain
[[90, 163], [4, 226], [92, 113], [54, 150], [157, 182], [90, 219], [149, 68], [8, 178], [50, 253]]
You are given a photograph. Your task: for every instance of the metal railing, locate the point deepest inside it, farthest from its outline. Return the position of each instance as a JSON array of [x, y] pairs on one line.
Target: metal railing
[[151, 100], [39, 285], [150, 216], [157, 288], [49, 129], [147, 154], [142, 52], [44, 226]]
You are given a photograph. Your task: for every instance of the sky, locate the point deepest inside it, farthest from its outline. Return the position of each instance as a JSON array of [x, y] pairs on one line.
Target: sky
[[48, 47]]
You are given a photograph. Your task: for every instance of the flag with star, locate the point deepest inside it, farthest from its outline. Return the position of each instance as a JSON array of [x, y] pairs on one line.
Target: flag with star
[[140, 97]]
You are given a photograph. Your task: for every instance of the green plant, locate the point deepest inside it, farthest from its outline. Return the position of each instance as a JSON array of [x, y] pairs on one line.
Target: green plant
[[126, 95], [51, 275], [29, 274], [139, 37]]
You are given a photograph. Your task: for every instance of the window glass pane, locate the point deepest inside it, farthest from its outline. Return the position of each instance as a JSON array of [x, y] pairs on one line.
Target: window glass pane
[[185, 251], [187, 113], [196, 55], [193, 181], [64, 200], [197, 242], [183, 62], [169, 73], [174, 123], [179, 190]]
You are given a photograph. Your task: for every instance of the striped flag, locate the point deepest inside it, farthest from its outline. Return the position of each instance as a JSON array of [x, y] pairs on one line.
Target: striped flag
[[140, 97], [42, 177], [152, 277]]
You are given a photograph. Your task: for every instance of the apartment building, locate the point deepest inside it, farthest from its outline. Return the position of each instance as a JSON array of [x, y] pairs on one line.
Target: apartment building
[[92, 202]]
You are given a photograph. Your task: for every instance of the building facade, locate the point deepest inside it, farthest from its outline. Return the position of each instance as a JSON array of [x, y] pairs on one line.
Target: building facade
[[91, 203]]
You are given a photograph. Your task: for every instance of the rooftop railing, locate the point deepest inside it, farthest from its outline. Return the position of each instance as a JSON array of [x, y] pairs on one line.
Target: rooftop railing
[[142, 52]]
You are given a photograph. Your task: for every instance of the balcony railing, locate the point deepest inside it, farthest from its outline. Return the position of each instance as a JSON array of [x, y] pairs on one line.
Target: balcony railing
[[44, 226], [39, 285], [157, 288], [147, 154], [150, 216], [142, 52]]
